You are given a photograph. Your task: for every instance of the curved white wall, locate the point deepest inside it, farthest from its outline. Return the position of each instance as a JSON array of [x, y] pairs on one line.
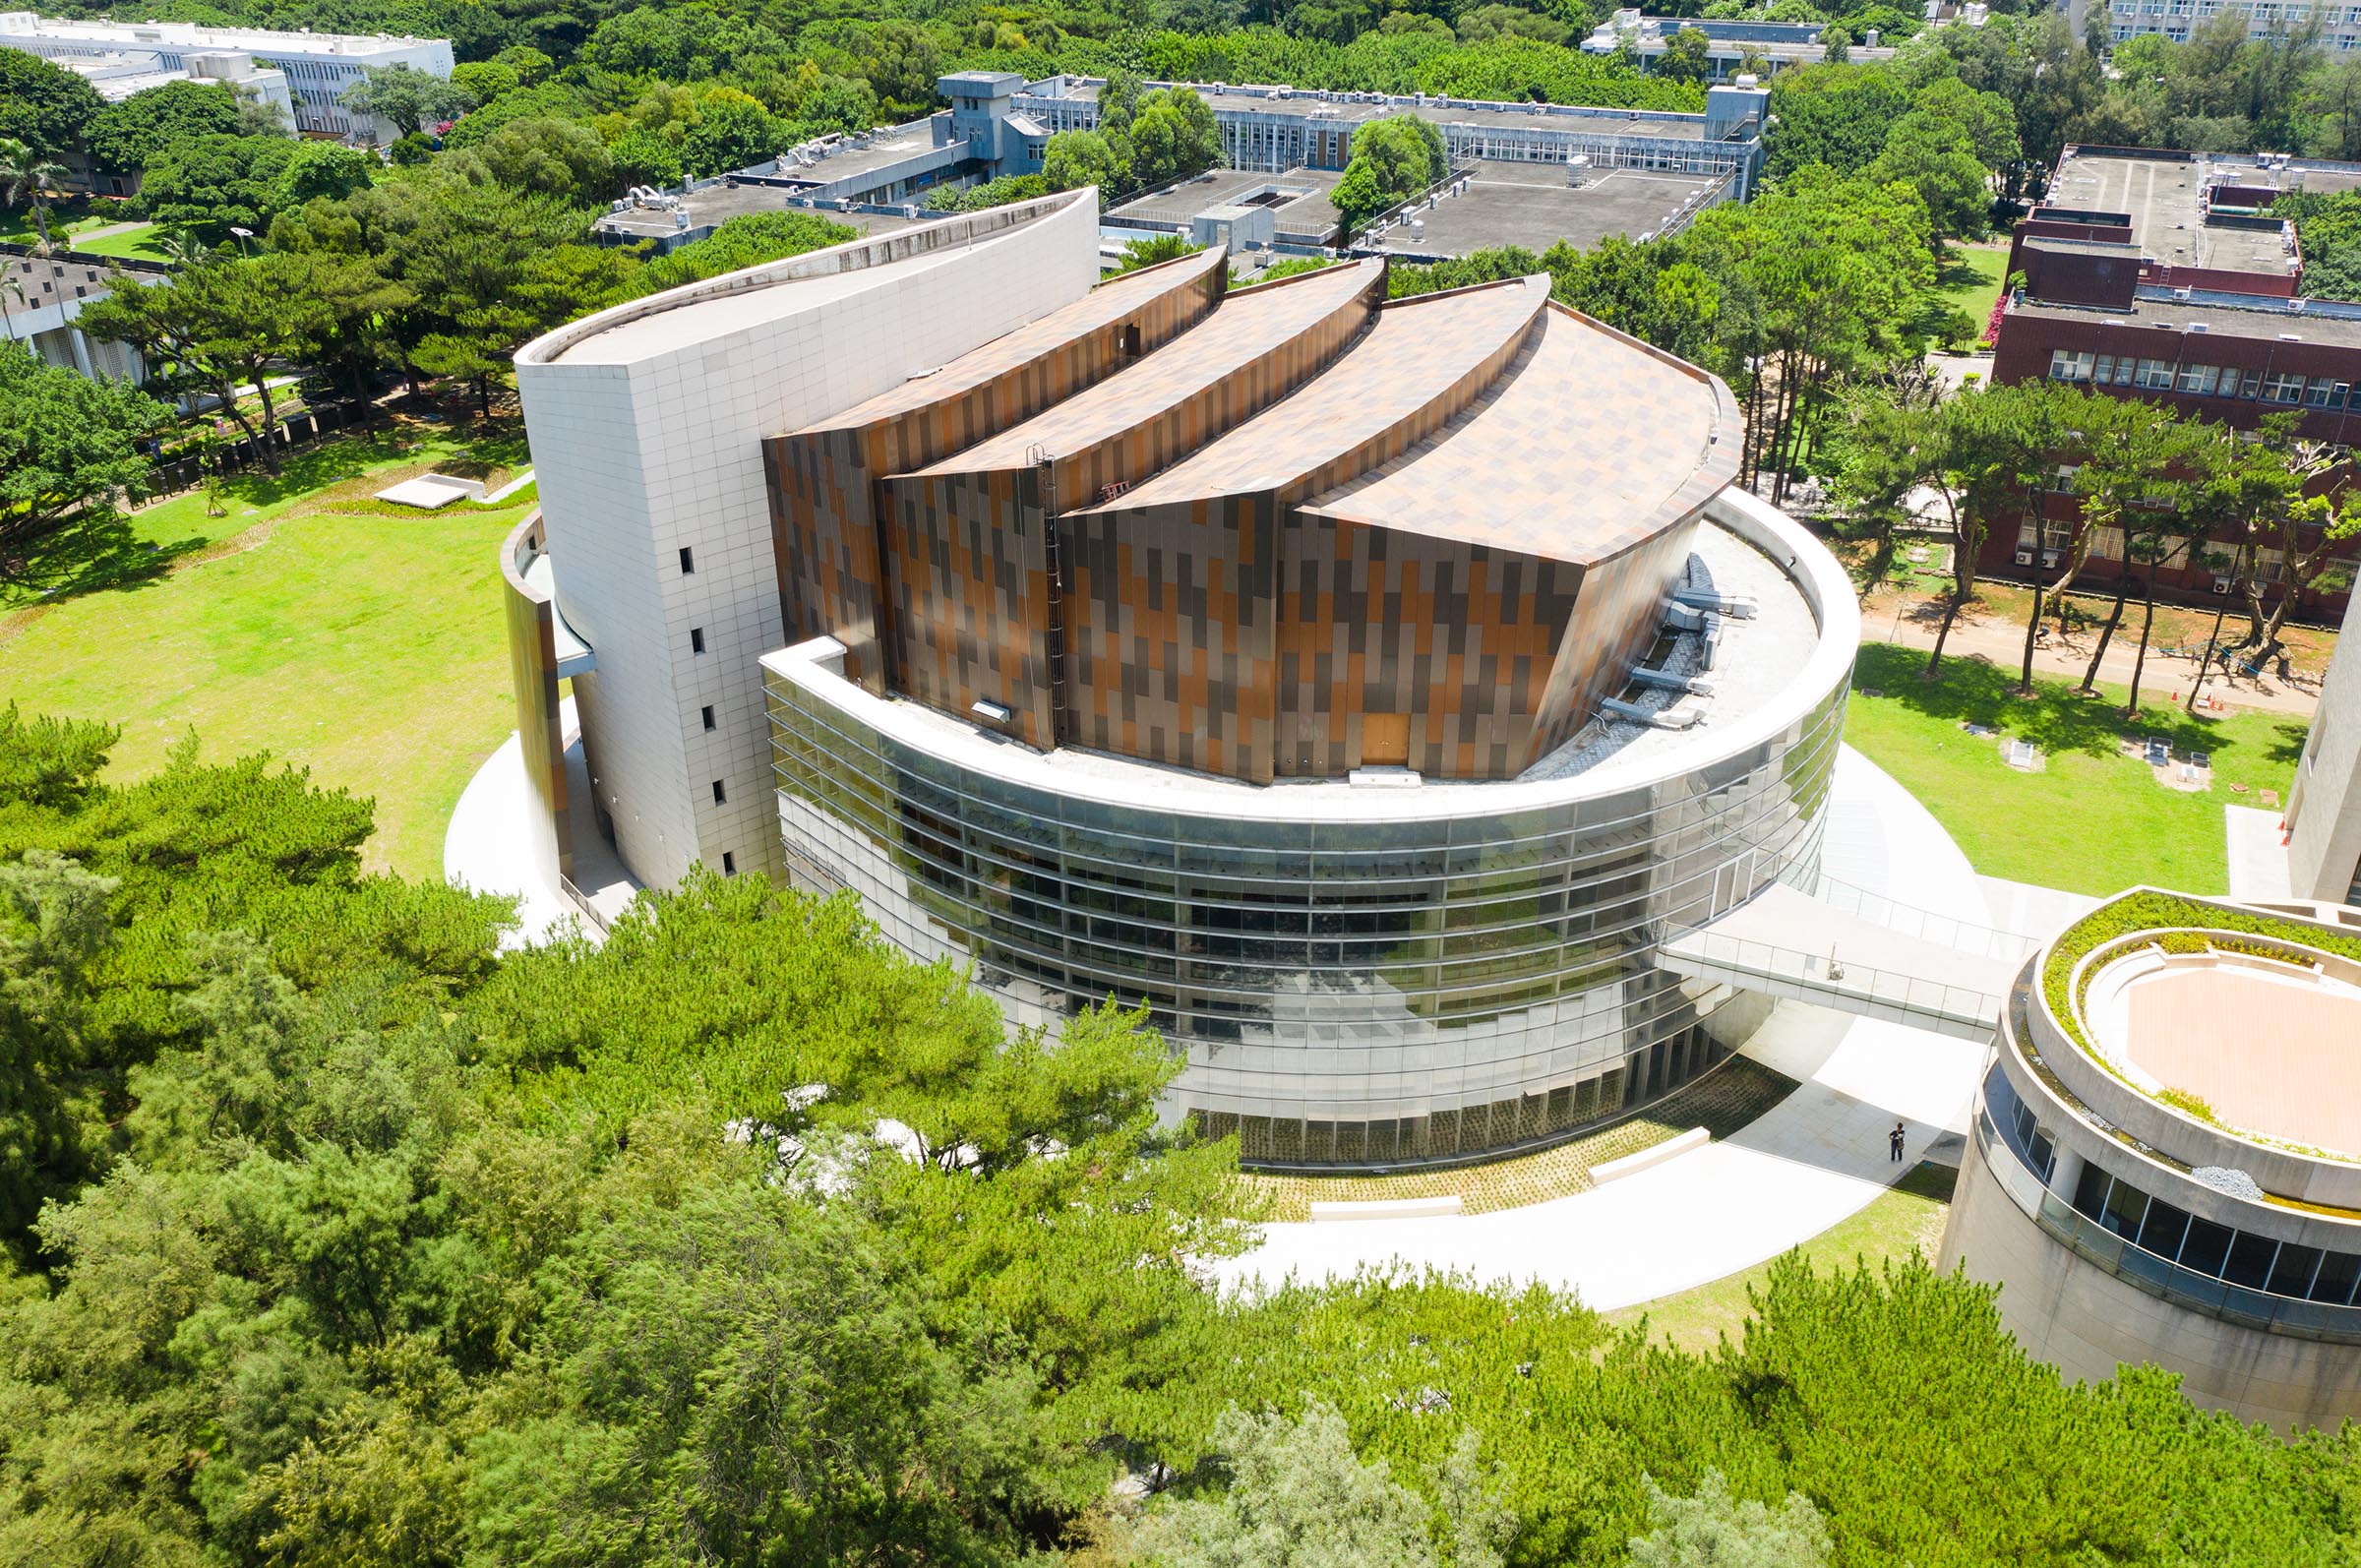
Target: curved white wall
[[650, 442]]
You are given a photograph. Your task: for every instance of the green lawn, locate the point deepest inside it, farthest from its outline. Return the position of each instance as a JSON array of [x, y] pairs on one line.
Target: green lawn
[[1908, 1216], [368, 649], [2091, 821], [1969, 281], [133, 244], [18, 228]]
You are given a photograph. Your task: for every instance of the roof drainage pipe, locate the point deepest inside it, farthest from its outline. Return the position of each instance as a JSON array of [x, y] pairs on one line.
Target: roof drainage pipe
[[1668, 681], [1729, 603], [1673, 718]]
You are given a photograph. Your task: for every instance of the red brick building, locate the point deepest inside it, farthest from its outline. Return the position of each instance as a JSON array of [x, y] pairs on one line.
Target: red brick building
[[2156, 276]]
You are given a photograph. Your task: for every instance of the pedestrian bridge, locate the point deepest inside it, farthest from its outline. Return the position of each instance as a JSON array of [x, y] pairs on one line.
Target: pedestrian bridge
[[1857, 952]]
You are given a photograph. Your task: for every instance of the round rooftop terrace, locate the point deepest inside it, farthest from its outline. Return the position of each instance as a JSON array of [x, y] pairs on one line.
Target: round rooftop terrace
[[2222, 1035]]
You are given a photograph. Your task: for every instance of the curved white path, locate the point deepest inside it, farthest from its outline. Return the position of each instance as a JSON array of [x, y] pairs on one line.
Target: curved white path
[[1816, 1157], [487, 849]]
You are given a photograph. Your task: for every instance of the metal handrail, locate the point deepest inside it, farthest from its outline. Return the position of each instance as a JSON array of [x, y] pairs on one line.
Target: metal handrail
[[1833, 975], [1925, 924]]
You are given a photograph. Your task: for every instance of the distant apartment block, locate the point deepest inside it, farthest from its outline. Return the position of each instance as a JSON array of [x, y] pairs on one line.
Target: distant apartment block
[[2161, 275], [317, 68], [1731, 48], [2340, 24]]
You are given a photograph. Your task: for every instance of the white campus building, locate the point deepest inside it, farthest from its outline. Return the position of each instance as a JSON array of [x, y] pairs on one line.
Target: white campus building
[[2340, 24], [315, 68]]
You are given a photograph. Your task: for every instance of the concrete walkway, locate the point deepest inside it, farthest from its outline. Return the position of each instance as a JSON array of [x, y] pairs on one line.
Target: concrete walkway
[[1816, 1157], [2257, 855], [2032, 912], [1790, 945]]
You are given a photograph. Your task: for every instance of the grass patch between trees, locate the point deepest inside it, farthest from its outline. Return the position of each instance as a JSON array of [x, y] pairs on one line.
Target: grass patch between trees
[[2091, 821], [368, 649]]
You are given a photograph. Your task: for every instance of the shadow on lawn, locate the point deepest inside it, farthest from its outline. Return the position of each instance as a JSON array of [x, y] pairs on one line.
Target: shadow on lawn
[[106, 554], [1967, 690], [86, 557]]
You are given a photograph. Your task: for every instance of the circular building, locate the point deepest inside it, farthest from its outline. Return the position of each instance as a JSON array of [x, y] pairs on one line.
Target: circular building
[[2166, 1161], [1361, 686]]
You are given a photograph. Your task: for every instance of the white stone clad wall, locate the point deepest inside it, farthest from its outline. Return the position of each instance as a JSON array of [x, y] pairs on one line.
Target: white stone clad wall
[[636, 462], [2323, 813]]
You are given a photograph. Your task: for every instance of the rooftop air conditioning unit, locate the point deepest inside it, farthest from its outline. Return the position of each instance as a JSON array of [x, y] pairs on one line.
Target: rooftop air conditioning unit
[[2180, 293], [2025, 558]]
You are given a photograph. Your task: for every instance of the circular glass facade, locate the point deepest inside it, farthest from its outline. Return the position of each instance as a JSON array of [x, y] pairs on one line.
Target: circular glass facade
[[1351, 991]]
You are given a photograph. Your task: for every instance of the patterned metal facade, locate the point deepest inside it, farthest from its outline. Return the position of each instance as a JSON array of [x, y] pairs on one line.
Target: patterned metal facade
[[824, 481], [1314, 532]]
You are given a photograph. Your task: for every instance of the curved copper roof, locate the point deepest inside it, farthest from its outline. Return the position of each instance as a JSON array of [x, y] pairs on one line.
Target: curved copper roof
[[1525, 467]]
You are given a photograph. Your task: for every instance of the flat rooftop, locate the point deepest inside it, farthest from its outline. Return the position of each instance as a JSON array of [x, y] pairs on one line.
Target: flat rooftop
[[1416, 349], [182, 36], [717, 205], [1533, 205], [1346, 109], [893, 145], [1306, 209], [1247, 326], [2161, 195], [2277, 1054], [2222, 321], [1505, 473], [1104, 305]]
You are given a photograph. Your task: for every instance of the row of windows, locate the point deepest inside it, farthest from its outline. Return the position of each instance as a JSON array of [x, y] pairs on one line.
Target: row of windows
[[1544, 1117], [2285, 387], [2199, 1245], [1420, 933]]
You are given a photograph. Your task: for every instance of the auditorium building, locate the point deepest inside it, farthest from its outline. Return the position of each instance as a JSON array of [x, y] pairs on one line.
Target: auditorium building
[[1362, 687]]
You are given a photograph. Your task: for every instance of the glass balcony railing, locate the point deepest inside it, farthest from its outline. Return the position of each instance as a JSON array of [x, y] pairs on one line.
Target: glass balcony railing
[[1844, 983], [2143, 1270]]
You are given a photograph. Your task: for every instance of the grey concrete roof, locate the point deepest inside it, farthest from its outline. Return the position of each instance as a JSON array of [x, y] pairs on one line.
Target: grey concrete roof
[[1176, 205], [2221, 320], [717, 205], [1532, 204], [2161, 195]]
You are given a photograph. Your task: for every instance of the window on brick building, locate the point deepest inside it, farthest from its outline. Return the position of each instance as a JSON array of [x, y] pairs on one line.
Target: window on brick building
[[2066, 364], [2282, 386]]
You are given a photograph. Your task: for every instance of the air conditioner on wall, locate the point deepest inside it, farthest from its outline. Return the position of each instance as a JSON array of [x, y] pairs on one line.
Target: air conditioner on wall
[[2050, 558], [2025, 558], [2222, 585]]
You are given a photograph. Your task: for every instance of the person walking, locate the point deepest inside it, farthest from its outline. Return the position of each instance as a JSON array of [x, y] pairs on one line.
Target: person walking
[[1893, 1143]]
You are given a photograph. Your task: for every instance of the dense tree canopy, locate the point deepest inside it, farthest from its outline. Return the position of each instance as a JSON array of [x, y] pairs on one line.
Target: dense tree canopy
[[126, 136], [1394, 157], [43, 104], [333, 1235], [66, 442]]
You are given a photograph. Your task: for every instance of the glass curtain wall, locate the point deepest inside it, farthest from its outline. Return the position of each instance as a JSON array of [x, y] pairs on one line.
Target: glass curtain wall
[[1350, 993]]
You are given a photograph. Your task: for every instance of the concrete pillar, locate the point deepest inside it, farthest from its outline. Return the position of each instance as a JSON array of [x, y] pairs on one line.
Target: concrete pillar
[[2066, 1173], [82, 353]]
